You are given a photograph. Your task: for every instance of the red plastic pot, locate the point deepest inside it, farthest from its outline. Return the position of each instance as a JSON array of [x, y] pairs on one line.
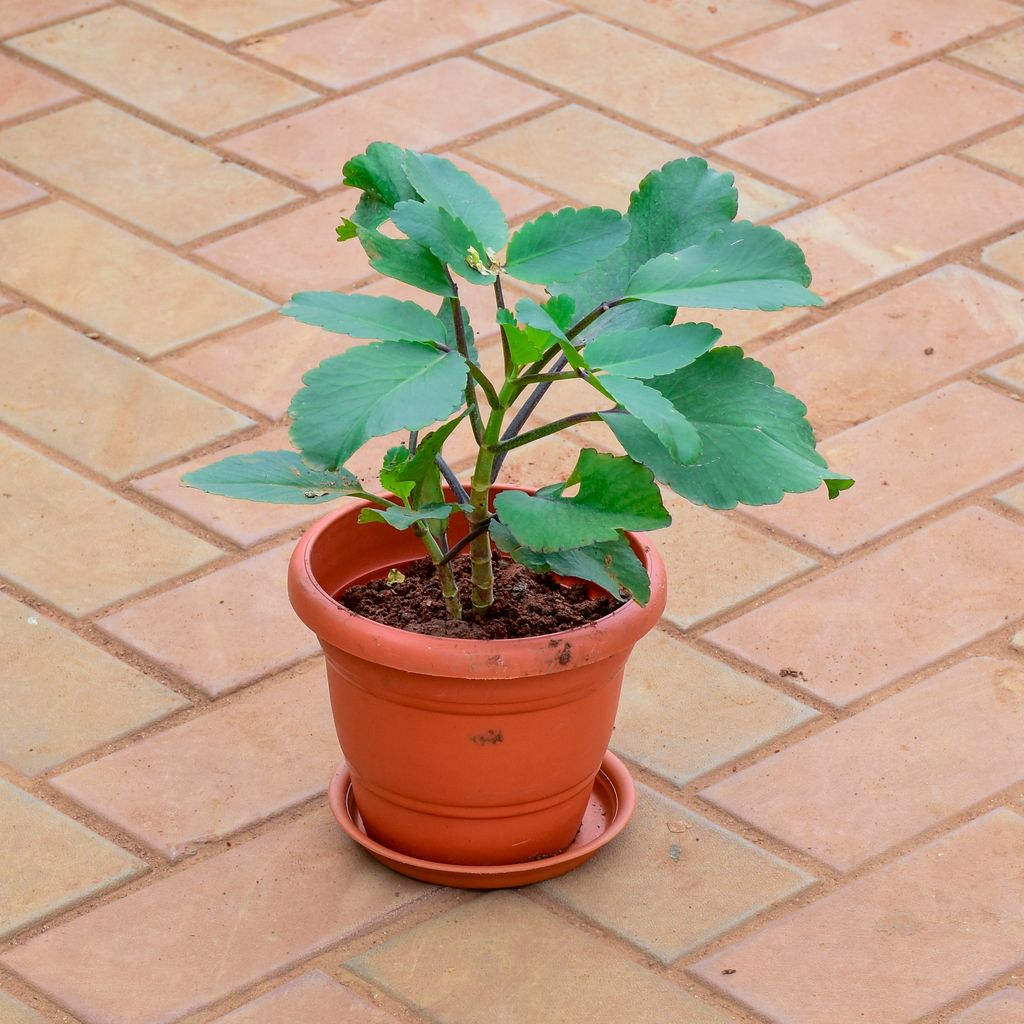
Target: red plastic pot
[[462, 751]]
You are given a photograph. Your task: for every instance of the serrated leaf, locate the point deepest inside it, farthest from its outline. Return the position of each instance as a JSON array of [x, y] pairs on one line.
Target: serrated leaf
[[561, 308], [612, 565], [529, 312], [370, 391], [420, 467], [380, 172], [402, 518], [741, 267], [560, 246], [281, 478], [406, 261], [366, 316], [390, 475], [615, 493], [756, 443], [650, 353], [657, 414], [447, 237]]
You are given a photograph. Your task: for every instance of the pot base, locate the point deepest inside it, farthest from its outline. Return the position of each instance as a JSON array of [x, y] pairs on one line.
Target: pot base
[[610, 808]]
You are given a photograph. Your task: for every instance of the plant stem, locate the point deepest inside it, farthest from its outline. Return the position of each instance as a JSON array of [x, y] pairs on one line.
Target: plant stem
[[460, 339], [546, 378], [468, 539], [449, 588], [506, 351], [506, 446], [452, 480], [597, 311], [479, 497]]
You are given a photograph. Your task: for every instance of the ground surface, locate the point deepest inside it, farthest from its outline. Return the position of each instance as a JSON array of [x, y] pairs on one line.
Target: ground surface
[[827, 730]]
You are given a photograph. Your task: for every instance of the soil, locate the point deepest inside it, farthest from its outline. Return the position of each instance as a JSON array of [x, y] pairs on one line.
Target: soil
[[525, 603]]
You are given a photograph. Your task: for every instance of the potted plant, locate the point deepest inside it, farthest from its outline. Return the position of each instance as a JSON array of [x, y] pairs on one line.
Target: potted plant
[[476, 634]]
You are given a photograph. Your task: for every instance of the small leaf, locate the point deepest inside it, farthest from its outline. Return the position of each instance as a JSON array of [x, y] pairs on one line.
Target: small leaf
[[615, 493], [657, 414], [366, 316], [529, 312], [650, 353], [281, 478], [445, 236], [390, 475], [406, 261], [561, 308], [380, 172], [420, 468], [559, 246], [394, 577], [526, 344], [402, 518]]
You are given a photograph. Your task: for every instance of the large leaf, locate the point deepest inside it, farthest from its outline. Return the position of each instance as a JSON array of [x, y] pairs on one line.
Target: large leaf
[[406, 261], [281, 478], [612, 565], [447, 237], [560, 246], [380, 172], [366, 316], [756, 443], [442, 184], [371, 391], [657, 414], [615, 493], [740, 267], [650, 353]]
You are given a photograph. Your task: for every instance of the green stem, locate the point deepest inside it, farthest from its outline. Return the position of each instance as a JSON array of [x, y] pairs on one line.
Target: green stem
[[506, 349], [460, 339], [545, 431], [480, 557], [541, 378], [449, 588]]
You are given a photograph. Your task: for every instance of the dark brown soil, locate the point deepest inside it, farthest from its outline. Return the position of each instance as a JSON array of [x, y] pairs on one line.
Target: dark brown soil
[[525, 603]]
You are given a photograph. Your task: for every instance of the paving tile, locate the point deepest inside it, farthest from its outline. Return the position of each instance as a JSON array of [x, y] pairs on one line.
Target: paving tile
[[998, 54], [889, 226], [858, 39], [185, 82], [1004, 151], [23, 90], [823, 151], [79, 546], [389, 36], [894, 944], [469, 965], [229, 20], [1007, 256], [223, 630], [13, 1012], [312, 147], [674, 880], [214, 775], [892, 771], [199, 935], [703, 103], [51, 862], [142, 296], [1013, 498], [15, 192], [18, 16], [694, 24], [1005, 1007], [683, 714], [61, 696], [893, 612], [311, 998], [149, 177], [95, 405], [908, 462], [875, 356]]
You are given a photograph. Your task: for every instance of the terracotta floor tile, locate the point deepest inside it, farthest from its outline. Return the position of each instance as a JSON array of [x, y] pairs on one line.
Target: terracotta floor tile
[[1007, 256], [184, 82], [214, 775], [18, 16], [529, 954], [674, 881], [683, 714], [389, 36], [894, 944], [153, 179], [823, 151], [312, 147], [23, 90], [50, 862], [1006, 1007], [61, 696], [97, 406], [907, 463], [858, 39], [1013, 498], [78, 545], [702, 102], [999, 54], [1004, 151], [223, 630], [892, 771], [875, 356], [889, 226], [15, 192], [13, 1012], [311, 998], [142, 296], [893, 612], [190, 939], [229, 20]]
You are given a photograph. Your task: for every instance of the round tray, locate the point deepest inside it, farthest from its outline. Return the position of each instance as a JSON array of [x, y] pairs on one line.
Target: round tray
[[610, 808]]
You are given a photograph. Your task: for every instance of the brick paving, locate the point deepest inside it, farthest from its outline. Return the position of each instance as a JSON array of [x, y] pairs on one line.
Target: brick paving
[[826, 728]]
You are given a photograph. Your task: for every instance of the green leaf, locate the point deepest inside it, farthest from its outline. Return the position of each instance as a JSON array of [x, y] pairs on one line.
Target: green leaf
[[561, 308], [529, 312], [406, 261], [402, 518], [559, 246], [525, 344], [444, 235], [657, 414], [756, 444], [370, 391], [650, 353], [420, 468], [390, 475], [380, 172], [281, 478], [615, 493], [740, 267], [366, 316], [612, 565], [442, 184], [444, 314]]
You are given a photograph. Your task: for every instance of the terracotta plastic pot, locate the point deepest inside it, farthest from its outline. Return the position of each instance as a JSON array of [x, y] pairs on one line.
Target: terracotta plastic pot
[[462, 751]]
